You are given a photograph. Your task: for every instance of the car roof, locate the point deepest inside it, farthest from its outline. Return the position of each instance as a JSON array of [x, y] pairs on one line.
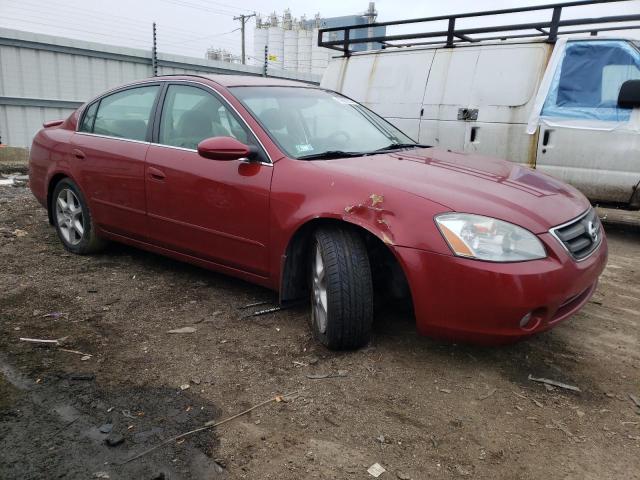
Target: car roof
[[240, 80]]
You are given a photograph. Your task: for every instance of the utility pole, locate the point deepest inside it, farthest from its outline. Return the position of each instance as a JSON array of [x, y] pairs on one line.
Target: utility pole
[[243, 20]]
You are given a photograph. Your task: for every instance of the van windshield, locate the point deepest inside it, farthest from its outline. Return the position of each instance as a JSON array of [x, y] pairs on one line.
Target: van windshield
[[312, 123]]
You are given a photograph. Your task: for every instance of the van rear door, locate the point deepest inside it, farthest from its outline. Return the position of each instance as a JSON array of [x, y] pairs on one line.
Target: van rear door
[[478, 99]]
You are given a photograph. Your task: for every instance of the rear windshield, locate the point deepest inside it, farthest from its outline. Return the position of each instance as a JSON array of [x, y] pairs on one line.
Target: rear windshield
[[306, 122]]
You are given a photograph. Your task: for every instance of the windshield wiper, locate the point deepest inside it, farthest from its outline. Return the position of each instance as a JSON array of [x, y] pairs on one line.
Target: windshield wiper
[[329, 154], [398, 146]]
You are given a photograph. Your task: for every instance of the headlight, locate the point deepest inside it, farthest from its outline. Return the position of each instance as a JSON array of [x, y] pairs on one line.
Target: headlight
[[485, 238]]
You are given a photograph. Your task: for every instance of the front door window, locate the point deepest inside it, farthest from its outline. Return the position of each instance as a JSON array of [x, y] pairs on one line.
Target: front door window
[[587, 83]]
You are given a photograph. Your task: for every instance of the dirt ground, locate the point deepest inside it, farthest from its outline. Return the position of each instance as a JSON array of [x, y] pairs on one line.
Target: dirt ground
[[420, 408]]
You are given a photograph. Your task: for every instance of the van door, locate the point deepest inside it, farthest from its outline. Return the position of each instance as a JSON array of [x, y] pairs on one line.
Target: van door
[[478, 99], [391, 83], [585, 139]]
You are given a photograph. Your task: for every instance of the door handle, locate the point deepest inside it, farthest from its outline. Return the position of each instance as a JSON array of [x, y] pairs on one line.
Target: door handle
[[156, 174], [546, 136], [79, 154]]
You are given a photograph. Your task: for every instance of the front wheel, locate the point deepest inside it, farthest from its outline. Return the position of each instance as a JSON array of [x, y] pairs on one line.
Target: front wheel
[[72, 219], [341, 289]]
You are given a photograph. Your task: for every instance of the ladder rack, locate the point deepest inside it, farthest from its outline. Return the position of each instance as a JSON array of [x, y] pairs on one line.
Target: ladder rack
[[342, 39]]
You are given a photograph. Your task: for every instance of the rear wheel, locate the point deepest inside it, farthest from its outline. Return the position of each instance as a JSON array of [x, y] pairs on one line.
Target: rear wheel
[[72, 219], [341, 289]]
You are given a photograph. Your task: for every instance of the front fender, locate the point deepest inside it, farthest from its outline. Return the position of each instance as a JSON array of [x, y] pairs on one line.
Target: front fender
[[302, 191]]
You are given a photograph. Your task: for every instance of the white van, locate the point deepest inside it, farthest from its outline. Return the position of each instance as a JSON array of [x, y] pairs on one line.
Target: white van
[[568, 107]]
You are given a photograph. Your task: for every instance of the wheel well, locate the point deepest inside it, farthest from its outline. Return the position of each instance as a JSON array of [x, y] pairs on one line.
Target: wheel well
[[389, 280], [51, 187]]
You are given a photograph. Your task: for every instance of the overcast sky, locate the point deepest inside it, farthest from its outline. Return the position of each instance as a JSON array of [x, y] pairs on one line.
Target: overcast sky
[[189, 27]]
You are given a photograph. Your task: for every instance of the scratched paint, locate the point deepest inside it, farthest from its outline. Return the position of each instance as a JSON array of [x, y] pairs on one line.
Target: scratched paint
[[373, 211]]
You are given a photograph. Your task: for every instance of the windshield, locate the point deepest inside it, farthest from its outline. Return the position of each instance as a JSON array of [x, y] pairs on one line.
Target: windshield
[[309, 122]]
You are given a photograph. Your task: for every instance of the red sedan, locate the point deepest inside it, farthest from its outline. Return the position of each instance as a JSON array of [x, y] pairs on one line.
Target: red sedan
[[309, 193]]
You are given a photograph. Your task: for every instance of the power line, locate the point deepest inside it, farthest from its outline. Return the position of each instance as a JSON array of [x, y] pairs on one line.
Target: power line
[[105, 17], [185, 3], [202, 38], [68, 28]]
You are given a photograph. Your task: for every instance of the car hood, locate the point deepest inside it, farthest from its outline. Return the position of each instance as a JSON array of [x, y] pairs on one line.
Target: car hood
[[470, 183]]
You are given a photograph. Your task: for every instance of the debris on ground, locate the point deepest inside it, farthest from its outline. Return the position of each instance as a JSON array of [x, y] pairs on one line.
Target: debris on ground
[[488, 394], [213, 424], [183, 330], [320, 376], [106, 428], [376, 470], [184, 386], [263, 312], [635, 399], [554, 383], [56, 315], [114, 439], [76, 352], [403, 476], [43, 341]]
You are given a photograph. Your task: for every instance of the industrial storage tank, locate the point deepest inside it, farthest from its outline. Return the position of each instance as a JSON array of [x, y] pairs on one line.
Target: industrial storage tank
[[305, 39], [260, 40], [290, 49], [276, 46], [319, 56]]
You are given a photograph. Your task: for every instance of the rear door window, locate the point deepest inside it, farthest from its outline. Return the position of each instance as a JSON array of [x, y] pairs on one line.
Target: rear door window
[[89, 118], [126, 114]]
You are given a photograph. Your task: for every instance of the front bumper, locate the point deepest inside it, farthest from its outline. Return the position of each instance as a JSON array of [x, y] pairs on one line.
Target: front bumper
[[480, 302]]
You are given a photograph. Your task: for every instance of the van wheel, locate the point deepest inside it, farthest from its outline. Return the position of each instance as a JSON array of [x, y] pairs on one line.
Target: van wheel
[[72, 219], [341, 289]]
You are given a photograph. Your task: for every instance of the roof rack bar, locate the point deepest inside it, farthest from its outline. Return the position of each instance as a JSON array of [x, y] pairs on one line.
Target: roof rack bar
[[452, 36], [524, 35], [504, 28]]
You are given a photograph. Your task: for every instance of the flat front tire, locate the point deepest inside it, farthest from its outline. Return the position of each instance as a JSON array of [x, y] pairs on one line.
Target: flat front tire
[[341, 289], [73, 220]]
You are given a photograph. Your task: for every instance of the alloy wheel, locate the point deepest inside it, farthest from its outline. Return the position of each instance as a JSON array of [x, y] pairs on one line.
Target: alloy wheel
[[319, 293], [69, 216]]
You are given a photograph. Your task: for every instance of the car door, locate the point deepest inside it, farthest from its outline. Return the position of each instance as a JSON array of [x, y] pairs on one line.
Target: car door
[[212, 209], [585, 139], [109, 149]]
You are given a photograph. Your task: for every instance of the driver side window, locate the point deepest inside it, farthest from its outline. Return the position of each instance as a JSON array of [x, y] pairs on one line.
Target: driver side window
[[586, 84], [191, 114]]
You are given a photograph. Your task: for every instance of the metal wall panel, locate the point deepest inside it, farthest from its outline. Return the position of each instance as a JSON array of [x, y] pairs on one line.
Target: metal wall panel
[[43, 77]]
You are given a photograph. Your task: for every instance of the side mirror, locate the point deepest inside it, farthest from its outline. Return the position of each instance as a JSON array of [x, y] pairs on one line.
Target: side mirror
[[224, 148], [629, 96]]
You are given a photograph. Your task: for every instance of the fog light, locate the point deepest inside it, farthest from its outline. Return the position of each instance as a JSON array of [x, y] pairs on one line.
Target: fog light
[[524, 321]]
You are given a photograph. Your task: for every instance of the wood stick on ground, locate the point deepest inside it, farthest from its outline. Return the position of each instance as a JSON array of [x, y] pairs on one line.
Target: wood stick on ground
[[75, 351], [555, 383], [40, 340], [211, 424]]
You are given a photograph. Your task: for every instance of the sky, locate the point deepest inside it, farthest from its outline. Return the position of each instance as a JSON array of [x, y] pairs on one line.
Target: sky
[[189, 27]]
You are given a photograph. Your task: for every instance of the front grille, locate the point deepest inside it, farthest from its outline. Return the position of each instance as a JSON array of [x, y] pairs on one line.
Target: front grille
[[580, 236]]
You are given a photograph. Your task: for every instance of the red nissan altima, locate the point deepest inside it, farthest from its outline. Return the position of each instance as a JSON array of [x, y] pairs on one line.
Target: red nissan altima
[[309, 193]]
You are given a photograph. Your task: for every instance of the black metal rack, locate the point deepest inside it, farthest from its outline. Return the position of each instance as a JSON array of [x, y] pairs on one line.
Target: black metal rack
[[544, 30]]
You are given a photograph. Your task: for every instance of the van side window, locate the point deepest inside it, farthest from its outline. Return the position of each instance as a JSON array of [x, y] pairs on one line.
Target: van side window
[[587, 83], [126, 114]]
